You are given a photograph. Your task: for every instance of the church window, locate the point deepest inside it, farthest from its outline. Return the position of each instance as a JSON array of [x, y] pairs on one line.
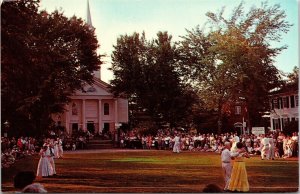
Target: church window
[[74, 109], [292, 101], [275, 103], [106, 109], [280, 103], [91, 89]]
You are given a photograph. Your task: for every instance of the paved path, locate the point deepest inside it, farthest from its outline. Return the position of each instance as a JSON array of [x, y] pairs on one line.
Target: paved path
[[109, 151]]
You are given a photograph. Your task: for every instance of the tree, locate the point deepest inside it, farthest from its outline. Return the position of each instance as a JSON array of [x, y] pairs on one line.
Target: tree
[[294, 76], [128, 60], [234, 59], [145, 72], [291, 127], [45, 58]]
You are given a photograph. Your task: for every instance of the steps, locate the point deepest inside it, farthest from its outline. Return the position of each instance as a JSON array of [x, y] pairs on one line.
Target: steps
[[100, 143]]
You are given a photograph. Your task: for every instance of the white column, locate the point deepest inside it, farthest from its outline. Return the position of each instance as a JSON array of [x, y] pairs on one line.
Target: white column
[[83, 115], [271, 120], [99, 116], [116, 116], [116, 110], [67, 119]]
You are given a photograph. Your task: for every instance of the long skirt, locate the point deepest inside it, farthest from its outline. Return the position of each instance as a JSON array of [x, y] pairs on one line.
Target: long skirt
[[60, 151], [239, 178], [51, 161], [176, 147], [44, 167], [56, 151]]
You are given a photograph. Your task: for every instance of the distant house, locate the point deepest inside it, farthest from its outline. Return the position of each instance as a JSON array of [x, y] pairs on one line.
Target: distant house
[[237, 115], [284, 106]]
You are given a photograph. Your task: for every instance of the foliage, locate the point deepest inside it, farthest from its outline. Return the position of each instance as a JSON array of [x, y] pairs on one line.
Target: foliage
[[45, 58], [291, 127], [145, 73], [234, 59], [294, 76]]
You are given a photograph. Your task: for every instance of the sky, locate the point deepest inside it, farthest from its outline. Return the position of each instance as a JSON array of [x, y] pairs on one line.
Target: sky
[[112, 18]]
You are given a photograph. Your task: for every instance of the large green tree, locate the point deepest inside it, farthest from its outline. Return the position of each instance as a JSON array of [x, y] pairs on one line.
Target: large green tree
[[234, 59], [294, 76], [145, 72], [45, 58]]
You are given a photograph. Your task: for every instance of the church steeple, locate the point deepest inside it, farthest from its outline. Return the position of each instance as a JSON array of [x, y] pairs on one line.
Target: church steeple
[[88, 15], [97, 73]]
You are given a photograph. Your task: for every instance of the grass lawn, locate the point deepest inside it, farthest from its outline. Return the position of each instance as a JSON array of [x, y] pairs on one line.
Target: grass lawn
[[153, 171]]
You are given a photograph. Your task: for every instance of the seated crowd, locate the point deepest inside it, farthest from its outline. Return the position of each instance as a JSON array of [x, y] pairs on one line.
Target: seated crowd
[[13, 149], [286, 145]]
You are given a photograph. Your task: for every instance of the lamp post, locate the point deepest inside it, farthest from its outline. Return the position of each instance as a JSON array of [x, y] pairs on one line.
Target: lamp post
[[6, 127], [245, 114]]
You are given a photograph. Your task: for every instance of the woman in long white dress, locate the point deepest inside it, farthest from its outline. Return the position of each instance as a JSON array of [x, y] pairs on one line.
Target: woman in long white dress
[[60, 148], [44, 168], [50, 155], [176, 147], [287, 147], [55, 149]]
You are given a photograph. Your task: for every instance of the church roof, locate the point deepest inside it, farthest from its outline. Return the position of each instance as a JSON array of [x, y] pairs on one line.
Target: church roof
[[286, 89], [98, 88]]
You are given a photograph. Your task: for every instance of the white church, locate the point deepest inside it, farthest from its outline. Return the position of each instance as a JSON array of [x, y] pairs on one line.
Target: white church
[[94, 108]]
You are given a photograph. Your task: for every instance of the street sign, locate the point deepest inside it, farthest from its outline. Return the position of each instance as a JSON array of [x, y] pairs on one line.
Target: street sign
[[258, 130]]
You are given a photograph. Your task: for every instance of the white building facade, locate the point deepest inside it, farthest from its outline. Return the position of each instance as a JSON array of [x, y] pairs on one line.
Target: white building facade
[[284, 108], [94, 109]]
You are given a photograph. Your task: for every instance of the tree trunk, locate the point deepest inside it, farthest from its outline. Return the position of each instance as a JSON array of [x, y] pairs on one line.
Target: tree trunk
[[219, 118]]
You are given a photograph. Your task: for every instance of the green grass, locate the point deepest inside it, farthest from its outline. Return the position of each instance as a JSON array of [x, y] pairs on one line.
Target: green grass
[[154, 171]]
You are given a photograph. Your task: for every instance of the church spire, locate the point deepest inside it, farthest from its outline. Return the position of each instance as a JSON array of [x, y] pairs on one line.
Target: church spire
[[96, 73], [88, 16]]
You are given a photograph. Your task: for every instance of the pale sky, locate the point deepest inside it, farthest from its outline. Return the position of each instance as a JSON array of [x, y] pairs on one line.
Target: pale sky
[[113, 18]]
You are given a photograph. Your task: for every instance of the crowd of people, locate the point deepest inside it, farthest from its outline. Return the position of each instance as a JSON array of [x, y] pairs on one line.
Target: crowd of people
[[229, 145], [269, 146], [279, 144], [13, 149]]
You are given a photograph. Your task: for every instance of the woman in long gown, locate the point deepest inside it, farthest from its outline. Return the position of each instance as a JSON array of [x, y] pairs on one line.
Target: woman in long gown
[[239, 179], [55, 149], [44, 168], [60, 148]]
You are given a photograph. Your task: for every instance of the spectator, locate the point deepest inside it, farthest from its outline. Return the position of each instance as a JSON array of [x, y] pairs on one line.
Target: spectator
[[24, 182], [34, 188], [295, 144]]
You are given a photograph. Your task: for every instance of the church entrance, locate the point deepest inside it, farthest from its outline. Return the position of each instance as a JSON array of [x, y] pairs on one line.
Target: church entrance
[[238, 128], [91, 127], [74, 128], [105, 128]]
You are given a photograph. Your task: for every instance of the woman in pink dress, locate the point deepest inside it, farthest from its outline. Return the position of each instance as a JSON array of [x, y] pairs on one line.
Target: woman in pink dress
[[44, 168]]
